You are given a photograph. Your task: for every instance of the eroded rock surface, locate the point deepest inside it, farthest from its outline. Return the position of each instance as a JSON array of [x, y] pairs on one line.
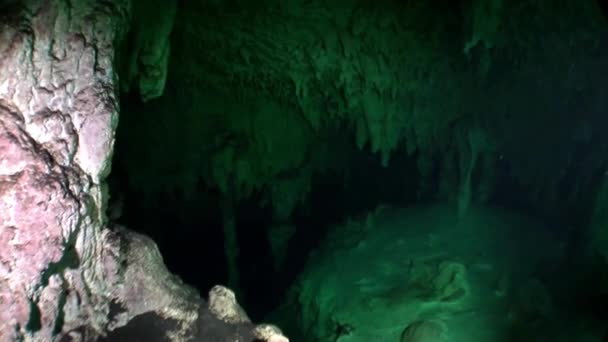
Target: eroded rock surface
[[161, 308], [58, 112], [64, 273]]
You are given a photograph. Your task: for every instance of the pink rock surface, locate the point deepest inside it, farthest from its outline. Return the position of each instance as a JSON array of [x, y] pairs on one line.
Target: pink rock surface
[[57, 109], [63, 271]]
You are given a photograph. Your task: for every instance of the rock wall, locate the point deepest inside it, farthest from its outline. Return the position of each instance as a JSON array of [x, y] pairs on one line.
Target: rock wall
[[58, 112], [64, 273]]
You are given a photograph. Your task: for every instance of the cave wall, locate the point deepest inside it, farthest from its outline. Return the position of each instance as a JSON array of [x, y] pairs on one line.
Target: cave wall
[[66, 272], [58, 111]]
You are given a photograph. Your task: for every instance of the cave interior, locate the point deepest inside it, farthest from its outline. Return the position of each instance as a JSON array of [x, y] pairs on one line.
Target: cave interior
[[356, 168]]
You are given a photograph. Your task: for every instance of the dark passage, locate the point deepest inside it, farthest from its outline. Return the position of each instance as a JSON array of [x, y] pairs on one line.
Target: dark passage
[[291, 136]]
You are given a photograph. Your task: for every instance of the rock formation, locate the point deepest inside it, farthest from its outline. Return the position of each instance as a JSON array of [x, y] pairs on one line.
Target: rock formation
[[66, 274]]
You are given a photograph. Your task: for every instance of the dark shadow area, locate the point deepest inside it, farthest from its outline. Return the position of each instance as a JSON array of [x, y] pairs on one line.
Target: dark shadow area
[[188, 230], [149, 327]]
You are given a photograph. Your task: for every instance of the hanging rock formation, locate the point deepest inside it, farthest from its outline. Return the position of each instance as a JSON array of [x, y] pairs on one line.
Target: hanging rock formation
[[258, 102], [65, 273]]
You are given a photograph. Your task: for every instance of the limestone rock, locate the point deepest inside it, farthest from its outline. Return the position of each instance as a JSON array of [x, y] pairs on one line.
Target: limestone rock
[[270, 333], [223, 304], [58, 111], [65, 273]]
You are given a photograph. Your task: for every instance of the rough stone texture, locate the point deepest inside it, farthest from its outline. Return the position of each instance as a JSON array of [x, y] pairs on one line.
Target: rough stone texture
[[270, 333], [58, 112], [147, 286], [223, 304], [65, 275], [210, 324]]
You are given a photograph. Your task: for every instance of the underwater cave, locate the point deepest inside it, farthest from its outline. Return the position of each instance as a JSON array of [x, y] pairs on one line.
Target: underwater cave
[[407, 171]]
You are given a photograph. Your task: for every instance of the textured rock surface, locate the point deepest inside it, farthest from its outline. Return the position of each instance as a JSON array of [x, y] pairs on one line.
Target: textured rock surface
[[65, 275], [58, 112], [222, 320]]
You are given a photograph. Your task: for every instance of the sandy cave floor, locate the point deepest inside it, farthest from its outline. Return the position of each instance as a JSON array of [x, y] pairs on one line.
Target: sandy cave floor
[[377, 274]]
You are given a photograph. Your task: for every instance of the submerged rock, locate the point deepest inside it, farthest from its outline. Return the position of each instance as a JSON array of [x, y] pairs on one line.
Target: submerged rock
[[66, 274]]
